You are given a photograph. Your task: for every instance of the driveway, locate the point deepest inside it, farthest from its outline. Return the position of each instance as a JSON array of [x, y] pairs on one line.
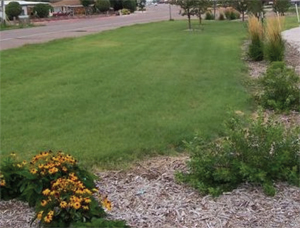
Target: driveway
[[79, 27]]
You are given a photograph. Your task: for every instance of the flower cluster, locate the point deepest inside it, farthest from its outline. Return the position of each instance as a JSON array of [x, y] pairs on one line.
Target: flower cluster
[[2, 180], [46, 163]]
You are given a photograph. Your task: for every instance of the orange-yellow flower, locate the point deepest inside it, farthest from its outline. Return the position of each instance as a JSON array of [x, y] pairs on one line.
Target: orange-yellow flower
[[24, 162], [46, 192], [2, 183], [85, 207], [44, 203], [63, 204], [33, 171], [40, 214], [50, 213], [20, 165], [48, 219], [76, 205], [106, 203], [87, 191], [13, 154], [64, 169], [41, 166], [87, 200]]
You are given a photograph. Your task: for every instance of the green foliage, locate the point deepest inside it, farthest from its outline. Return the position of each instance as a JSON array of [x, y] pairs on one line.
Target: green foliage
[[116, 4], [13, 9], [86, 3], [274, 50], [256, 49], [141, 4], [61, 192], [12, 177], [102, 5], [231, 14], [99, 223], [256, 150], [280, 88], [209, 16], [281, 6], [130, 5], [125, 11], [255, 7], [42, 10]]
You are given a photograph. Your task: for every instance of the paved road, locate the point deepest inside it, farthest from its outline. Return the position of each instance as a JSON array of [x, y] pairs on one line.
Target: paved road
[[293, 36], [79, 27]]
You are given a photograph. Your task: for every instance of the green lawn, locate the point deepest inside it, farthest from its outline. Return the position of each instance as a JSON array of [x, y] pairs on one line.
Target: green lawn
[[119, 95]]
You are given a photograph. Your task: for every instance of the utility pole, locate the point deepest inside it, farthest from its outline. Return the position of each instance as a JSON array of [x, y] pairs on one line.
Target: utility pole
[[3, 16]]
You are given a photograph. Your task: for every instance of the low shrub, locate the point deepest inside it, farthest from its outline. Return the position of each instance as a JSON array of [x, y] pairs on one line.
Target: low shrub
[[125, 11], [209, 16], [13, 9], [62, 193], [42, 10], [256, 47], [274, 44], [280, 88], [130, 5], [102, 5], [221, 17], [231, 14], [256, 150]]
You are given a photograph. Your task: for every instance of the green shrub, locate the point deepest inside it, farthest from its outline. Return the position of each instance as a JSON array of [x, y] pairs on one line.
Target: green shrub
[[61, 192], [209, 16], [258, 150], [102, 5], [125, 11], [231, 13], [13, 9], [280, 88], [42, 10], [130, 5], [116, 4]]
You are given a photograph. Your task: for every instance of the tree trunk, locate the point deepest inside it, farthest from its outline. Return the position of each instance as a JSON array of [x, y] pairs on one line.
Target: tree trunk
[[200, 19], [243, 16], [189, 17]]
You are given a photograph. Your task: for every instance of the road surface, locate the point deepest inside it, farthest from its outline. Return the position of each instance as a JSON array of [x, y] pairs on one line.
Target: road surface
[[79, 27]]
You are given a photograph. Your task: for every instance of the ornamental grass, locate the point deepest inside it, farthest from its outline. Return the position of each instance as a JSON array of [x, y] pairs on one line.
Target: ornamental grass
[[255, 29]]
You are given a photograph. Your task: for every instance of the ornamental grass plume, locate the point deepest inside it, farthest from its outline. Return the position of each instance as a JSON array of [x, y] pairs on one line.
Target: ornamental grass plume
[[255, 29], [274, 44]]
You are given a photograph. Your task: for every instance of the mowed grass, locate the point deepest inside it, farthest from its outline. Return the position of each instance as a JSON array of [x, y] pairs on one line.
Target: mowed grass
[[123, 94]]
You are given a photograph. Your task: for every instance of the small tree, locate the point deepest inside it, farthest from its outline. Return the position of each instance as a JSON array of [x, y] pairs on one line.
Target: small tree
[[142, 4], [129, 4], [86, 4], [281, 6], [200, 7], [102, 5], [13, 9], [116, 4], [187, 6], [42, 10], [241, 6], [255, 7]]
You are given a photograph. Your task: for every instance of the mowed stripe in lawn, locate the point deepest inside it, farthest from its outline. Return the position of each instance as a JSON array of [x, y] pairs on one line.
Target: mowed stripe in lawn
[[123, 93]]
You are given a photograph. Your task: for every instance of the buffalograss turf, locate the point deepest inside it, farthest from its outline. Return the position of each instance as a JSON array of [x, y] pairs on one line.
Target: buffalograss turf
[[122, 94]]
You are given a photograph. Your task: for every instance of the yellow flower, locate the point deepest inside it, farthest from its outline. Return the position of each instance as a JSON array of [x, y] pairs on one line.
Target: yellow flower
[[13, 154], [85, 207], [41, 166], [24, 162], [95, 190], [87, 191], [40, 214], [48, 219], [64, 169], [20, 165], [106, 203], [50, 213], [87, 200], [33, 171], [44, 203], [2, 183], [46, 192], [76, 205], [63, 204]]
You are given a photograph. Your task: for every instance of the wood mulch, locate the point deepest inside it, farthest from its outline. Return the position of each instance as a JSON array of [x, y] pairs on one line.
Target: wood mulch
[[147, 195]]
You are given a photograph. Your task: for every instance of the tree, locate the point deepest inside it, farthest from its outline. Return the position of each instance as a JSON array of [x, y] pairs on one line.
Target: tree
[[256, 7], [13, 9], [116, 4], [102, 5], [200, 7], [187, 6], [129, 4], [241, 6], [281, 6], [42, 10], [142, 4], [86, 4]]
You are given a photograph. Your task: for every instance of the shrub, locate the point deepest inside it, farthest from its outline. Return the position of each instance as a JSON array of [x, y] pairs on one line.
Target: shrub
[[256, 150], [221, 17], [274, 45], [42, 10], [116, 4], [125, 11], [130, 5], [209, 16], [280, 88], [256, 47], [60, 190], [13, 9], [102, 5]]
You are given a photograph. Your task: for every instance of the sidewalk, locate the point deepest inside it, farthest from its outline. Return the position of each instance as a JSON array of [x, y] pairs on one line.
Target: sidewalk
[[293, 36]]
